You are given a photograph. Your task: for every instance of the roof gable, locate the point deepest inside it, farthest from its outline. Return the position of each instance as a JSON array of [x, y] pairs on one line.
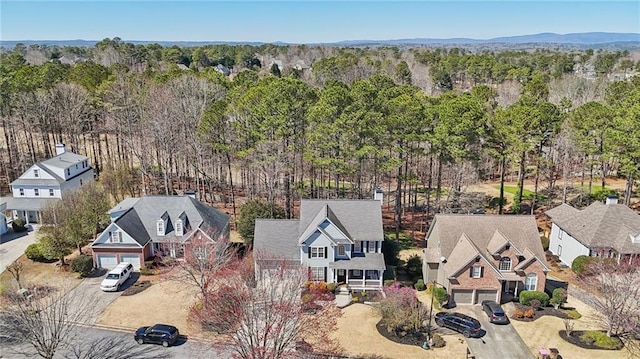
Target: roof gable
[[359, 220]]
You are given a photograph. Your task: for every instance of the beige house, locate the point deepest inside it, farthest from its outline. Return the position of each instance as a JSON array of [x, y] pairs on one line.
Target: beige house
[[484, 257]]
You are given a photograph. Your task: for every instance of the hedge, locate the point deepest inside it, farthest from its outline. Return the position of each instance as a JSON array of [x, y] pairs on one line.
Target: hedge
[[580, 263], [82, 264], [420, 285], [34, 253], [18, 225], [526, 296]]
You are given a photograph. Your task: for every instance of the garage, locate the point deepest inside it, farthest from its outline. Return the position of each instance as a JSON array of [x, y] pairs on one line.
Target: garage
[[486, 294], [134, 259], [107, 261], [462, 296]]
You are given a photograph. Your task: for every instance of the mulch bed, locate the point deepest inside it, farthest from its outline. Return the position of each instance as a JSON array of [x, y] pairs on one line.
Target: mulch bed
[[136, 288], [371, 296], [409, 338], [576, 339], [542, 311]]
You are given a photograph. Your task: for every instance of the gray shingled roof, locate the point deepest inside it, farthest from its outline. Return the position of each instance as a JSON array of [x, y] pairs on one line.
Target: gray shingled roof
[[277, 238], [64, 160], [26, 204], [140, 220], [124, 204], [600, 225], [371, 261], [361, 219]]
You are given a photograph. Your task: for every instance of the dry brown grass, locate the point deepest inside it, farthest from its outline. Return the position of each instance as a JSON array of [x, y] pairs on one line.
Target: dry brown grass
[[49, 274]]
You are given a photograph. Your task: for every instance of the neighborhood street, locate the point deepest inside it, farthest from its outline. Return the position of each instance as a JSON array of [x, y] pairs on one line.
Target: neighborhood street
[[12, 245]]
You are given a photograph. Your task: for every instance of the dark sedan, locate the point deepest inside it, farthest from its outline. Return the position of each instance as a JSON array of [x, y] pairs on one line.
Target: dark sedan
[[468, 326], [158, 334]]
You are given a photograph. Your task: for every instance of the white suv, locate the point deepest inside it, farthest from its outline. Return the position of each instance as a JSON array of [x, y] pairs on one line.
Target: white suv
[[116, 277]]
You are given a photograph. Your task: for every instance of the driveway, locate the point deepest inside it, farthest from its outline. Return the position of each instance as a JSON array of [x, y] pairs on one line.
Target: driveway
[[499, 341], [90, 299], [12, 245]]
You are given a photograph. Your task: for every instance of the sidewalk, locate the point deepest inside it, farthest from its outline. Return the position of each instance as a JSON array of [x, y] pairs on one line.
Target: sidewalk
[[12, 245]]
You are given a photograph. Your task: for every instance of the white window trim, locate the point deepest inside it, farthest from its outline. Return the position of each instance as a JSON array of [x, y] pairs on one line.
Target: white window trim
[[357, 247], [341, 250], [356, 273], [21, 190], [317, 273], [115, 237], [317, 252], [504, 260], [372, 247], [160, 228], [527, 285], [560, 231], [179, 228], [36, 173], [36, 192], [51, 192], [559, 250], [475, 269]]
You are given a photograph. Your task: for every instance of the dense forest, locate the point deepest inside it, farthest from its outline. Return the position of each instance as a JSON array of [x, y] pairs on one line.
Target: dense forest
[[291, 122]]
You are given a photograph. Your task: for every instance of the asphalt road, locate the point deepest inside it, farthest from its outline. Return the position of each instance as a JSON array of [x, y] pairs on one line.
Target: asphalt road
[[12, 246], [91, 341], [498, 341]]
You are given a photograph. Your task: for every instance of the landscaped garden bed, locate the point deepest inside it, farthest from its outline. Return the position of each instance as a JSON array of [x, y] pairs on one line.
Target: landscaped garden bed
[[136, 288], [592, 339]]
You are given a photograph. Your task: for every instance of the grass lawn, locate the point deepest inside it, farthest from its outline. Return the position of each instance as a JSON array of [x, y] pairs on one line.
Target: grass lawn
[[40, 274], [526, 194]]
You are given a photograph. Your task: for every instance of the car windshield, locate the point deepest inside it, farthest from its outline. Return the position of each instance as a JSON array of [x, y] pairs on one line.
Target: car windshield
[[112, 276]]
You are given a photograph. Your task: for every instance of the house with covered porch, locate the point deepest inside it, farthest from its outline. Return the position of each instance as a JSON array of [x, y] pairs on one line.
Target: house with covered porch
[[339, 241], [484, 257]]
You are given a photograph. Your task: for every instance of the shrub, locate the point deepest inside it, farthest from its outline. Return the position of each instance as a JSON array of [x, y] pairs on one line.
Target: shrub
[[18, 225], [545, 243], [332, 287], [34, 253], [147, 271], [526, 296], [389, 282], [420, 285], [573, 314], [580, 264], [600, 339], [529, 313], [519, 313], [82, 264], [558, 297], [440, 294], [414, 267], [534, 303], [438, 341]]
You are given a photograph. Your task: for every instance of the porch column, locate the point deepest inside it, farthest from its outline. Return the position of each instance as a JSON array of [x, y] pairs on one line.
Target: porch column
[[515, 292], [26, 217], [346, 273], [380, 277]]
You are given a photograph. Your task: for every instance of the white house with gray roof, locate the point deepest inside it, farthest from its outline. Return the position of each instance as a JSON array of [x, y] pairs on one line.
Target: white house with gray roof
[[609, 230], [149, 226], [46, 181], [340, 241]]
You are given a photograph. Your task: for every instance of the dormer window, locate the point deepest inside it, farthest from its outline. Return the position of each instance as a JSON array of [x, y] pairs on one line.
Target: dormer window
[[36, 173], [372, 247], [68, 172], [22, 192], [505, 264], [179, 228], [160, 227]]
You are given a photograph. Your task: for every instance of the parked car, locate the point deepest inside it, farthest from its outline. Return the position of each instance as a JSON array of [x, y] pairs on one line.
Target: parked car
[[157, 334], [468, 326], [494, 312], [116, 277]]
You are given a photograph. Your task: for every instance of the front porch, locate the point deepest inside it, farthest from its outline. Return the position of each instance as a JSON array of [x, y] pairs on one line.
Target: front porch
[[359, 279]]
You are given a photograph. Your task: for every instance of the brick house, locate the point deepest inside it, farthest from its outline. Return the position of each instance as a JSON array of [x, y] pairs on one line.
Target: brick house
[[484, 257]]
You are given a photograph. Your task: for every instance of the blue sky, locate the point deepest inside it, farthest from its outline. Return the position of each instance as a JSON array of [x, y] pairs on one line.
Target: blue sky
[[307, 21]]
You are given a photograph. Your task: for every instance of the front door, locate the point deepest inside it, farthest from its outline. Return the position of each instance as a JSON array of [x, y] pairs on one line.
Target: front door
[[342, 276]]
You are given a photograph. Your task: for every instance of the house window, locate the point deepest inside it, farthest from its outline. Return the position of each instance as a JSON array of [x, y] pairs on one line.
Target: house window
[[76, 166], [531, 282], [115, 237], [341, 251], [371, 274], [357, 273], [36, 173], [81, 181], [317, 252], [51, 193], [476, 272], [358, 246], [179, 228], [36, 192], [68, 172], [160, 228], [560, 234], [559, 250], [21, 191], [316, 273], [505, 263], [372, 247]]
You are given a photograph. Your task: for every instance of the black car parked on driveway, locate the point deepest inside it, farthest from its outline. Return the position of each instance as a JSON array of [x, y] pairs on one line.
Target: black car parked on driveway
[[468, 326], [494, 312], [158, 334]]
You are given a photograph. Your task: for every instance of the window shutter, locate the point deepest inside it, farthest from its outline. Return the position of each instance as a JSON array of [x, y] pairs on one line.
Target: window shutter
[[366, 247], [376, 246], [325, 274], [471, 272], [120, 237], [309, 252], [481, 272], [325, 252]]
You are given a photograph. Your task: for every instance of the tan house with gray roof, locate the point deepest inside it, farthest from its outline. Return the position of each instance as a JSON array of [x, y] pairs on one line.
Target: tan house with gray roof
[[482, 257], [609, 230]]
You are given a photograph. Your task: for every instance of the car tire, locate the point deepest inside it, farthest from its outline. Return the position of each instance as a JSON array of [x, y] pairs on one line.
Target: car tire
[[165, 343], [440, 322], [118, 288], [466, 334], [140, 341]]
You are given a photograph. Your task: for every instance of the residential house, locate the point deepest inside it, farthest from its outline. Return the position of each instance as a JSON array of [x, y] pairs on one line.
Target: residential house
[[609, 230], [45, 181], [484, 257], [222, 69], [151, 226], [340, 241]]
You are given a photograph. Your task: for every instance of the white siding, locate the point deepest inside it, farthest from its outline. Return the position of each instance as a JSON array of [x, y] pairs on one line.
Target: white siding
[[571, 248], [318, 240], [104, 236], [75, 182], [30, 173]]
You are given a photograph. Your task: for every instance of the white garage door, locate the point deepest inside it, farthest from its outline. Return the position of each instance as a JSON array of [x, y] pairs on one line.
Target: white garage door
[[486, 295], [462, 296], [107, 261], [134, 259]]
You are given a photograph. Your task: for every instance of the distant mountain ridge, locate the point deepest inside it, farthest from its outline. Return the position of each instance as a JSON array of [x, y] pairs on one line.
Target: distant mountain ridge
[[585, 38]]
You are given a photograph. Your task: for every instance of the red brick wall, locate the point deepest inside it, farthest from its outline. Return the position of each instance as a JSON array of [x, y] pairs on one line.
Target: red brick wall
[[489, 280], [536, 267], [511, 253]]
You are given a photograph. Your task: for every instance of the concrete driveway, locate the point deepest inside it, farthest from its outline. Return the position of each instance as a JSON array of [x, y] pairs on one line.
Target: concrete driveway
[[499, 341], [91, 300], [12, 245]]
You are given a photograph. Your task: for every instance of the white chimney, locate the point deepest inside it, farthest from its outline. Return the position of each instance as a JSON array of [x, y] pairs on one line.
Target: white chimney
[[611, 199], [191, 193], [378, 195], [60, 148]]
